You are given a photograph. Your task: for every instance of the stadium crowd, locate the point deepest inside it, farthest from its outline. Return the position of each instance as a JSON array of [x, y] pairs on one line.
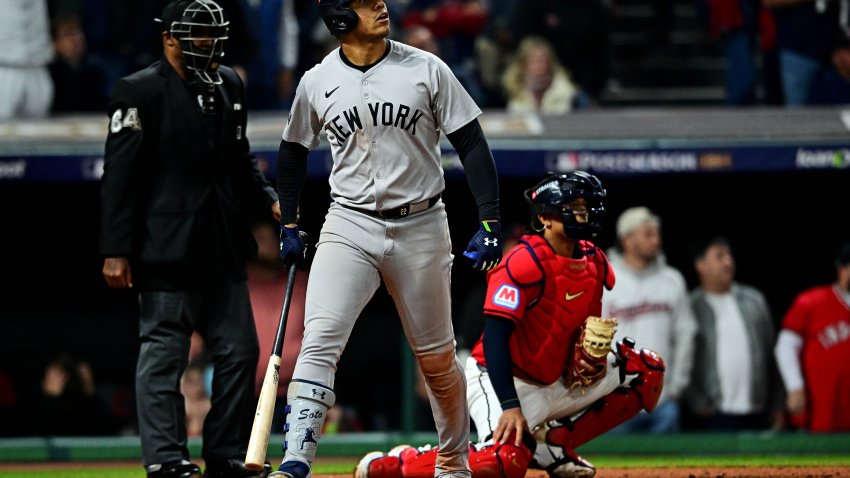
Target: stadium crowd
[[800, 45]]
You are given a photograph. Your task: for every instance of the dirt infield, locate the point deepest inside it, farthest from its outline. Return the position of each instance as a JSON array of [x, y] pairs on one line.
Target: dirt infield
[[667, 472], [829, 471]]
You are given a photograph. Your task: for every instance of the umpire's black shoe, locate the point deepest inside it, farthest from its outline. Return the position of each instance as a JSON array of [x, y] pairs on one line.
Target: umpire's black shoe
[[234, 468], [174, 469]]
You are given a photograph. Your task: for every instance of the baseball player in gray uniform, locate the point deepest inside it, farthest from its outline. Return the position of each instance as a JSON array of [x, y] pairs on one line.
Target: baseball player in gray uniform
[[382, 106]]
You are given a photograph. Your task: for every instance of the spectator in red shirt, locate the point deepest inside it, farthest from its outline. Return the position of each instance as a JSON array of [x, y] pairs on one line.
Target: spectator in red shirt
[[813, 351]]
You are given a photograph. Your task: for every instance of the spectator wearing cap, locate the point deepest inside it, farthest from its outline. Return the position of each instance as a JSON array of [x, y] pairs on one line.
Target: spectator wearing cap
[[813, 350], [651, 304]]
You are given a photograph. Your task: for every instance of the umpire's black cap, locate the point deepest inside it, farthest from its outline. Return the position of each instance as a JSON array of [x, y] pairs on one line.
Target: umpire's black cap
[[173, 12]]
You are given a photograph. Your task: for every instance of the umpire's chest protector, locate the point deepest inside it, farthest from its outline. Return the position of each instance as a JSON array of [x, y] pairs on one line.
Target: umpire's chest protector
[[565, 293]]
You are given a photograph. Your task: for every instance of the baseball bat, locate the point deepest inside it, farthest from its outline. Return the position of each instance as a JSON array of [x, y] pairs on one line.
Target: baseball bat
[[258, 444]]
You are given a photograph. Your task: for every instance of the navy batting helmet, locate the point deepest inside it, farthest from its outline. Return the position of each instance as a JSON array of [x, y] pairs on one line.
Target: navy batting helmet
[[553, 194], [337, 16]]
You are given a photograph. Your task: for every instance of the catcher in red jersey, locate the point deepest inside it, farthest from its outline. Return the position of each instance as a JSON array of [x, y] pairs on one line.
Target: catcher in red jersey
[[544, 378]]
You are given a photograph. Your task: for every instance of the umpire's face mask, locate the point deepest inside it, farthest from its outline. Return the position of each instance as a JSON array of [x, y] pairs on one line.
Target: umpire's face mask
[[203, 56], [201, 33]]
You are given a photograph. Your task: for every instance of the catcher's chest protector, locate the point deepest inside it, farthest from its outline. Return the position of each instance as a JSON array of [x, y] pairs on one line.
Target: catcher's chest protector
[[569, 291]]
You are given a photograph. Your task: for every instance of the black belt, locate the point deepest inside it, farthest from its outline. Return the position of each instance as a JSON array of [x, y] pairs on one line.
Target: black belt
[[400, 212]]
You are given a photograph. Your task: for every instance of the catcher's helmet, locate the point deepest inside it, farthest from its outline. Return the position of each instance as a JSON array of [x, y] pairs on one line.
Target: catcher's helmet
[[337, 16], [192, 22], [553, 194]]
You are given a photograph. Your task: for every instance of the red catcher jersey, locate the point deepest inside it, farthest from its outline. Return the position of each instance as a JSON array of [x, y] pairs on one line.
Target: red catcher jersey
[[823, 320], [548, 297]]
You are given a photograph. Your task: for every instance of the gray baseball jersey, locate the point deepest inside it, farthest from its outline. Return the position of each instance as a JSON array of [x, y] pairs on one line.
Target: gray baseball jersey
[[384, 128], [383, 125]]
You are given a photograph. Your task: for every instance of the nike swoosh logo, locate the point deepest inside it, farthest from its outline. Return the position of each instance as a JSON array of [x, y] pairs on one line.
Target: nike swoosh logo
[[329, 93], [572, 296]]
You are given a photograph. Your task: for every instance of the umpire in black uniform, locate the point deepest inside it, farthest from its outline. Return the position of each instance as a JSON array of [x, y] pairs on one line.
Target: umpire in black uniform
[[178, 188]]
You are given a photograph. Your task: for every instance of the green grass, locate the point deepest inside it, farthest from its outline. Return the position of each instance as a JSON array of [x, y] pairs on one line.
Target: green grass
[[119, 457], [607, 461]]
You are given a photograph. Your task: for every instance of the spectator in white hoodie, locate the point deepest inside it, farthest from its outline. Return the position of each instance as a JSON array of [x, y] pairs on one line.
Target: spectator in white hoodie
[[651, 304]]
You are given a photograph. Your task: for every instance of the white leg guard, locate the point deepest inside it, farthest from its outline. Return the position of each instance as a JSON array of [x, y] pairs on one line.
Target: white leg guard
[[307, 406]]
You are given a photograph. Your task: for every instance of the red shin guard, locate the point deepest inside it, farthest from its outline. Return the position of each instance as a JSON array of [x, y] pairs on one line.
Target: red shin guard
[[493, 461], [500, 461], [377, 465], [642, 378]]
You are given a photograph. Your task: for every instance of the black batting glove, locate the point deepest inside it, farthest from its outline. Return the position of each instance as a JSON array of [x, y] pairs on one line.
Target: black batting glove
[[485, 247], [292, 247]]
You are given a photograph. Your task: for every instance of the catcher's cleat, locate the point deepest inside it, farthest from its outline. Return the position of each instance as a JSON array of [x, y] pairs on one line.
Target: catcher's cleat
[[571, 465], [292, 469], [555, 443], [377, 465]]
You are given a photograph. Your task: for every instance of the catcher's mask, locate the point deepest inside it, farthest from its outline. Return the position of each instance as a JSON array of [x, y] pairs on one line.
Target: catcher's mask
[[338, 17], [201, 28], [553, 195]]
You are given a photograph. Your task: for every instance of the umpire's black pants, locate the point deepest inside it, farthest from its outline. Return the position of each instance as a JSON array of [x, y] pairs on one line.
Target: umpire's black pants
[[222, 315]]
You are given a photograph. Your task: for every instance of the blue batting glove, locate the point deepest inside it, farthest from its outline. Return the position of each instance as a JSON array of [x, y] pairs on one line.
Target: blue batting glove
[[292, 247], [485, 247]]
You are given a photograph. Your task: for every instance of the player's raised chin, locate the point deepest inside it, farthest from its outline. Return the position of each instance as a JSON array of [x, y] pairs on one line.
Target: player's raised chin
[[374, 17]]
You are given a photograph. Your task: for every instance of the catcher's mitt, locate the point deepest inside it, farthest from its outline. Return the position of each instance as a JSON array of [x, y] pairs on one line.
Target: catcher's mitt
[[591, 351]]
